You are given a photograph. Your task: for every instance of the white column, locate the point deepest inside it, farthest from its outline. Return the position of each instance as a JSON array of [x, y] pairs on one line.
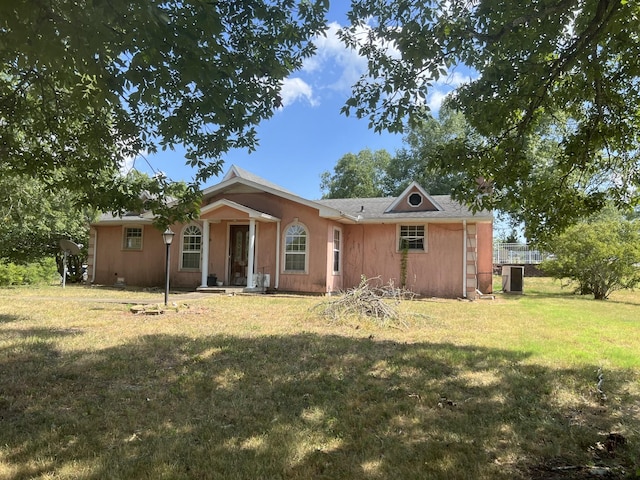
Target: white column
[[252, 243], [205, 252]]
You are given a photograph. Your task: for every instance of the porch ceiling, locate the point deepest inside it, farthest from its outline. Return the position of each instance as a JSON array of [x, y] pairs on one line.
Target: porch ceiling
[[228, 210]]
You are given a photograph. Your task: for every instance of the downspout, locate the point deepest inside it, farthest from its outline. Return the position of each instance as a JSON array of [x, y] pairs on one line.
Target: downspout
[[464, 259], [277, 279], [95, 255]]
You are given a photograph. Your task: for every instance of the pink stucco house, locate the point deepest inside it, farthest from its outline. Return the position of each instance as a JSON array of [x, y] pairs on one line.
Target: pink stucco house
[[256, 234]]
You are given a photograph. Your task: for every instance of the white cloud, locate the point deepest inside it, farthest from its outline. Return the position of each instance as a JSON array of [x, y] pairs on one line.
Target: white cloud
[[294, 89], [337, 66], [435, 99]]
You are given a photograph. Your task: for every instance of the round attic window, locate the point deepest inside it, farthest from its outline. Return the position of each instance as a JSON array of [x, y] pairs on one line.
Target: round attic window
[[415, 199]]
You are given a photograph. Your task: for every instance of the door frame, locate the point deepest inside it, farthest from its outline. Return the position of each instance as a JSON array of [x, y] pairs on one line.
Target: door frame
[[230, 242]]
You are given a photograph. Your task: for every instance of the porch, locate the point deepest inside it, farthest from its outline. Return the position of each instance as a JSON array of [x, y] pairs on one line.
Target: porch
[[236, 248]]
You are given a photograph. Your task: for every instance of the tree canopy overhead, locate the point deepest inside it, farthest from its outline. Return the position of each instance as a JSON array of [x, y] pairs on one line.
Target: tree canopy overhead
[[561, 70], [85, 84]]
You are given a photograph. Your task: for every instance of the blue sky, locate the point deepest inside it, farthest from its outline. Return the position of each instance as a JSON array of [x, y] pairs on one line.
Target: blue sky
[[309, 134]]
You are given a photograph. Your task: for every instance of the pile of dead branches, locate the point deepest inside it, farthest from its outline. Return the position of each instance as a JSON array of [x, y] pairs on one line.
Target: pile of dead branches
[[369, 299]]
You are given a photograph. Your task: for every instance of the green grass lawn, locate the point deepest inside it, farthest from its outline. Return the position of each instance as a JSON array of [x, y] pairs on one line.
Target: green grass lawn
[[262, 387]]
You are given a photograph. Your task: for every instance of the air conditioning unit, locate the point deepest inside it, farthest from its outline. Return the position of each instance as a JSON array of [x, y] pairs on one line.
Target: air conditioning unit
[[512, 278], [262, 280]]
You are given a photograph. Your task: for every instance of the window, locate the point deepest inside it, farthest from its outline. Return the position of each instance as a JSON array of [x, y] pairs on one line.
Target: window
[[132, 238], [415, 199], [412, 237], [295, 249], [191, 247], [336, 250]]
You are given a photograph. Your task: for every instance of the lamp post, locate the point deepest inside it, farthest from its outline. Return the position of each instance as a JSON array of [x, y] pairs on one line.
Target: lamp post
[[167, 237]]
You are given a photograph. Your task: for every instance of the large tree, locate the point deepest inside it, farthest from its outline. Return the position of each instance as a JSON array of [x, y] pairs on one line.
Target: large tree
[[86, 83], [532, 62], [426, 143], [375, 174], [356, 175], [35, 217]]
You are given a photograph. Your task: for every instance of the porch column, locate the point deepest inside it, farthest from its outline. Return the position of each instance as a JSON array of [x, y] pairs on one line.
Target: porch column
[[205, 253], [252, 244]]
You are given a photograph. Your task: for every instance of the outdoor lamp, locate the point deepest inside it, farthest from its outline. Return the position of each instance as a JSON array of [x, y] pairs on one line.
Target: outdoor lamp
[[167, 238]]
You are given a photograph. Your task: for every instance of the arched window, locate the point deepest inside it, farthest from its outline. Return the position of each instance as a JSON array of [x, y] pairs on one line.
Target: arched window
[[191, 247], [295, 248]]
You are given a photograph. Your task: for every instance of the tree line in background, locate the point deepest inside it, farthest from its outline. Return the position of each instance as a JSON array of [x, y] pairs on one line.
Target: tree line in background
[[551, 118], [379, 173]]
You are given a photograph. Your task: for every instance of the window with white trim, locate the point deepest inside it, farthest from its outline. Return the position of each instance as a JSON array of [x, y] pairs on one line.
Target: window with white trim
[[412, 237], [132, 238], [295, 248], [415, 199], [337, 248], [191, 247]]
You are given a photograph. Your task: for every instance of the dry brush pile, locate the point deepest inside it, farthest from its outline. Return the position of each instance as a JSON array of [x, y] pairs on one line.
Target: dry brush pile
[[370, 299]]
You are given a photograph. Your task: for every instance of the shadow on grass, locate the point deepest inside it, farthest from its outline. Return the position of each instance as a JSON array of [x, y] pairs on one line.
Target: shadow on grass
[[295, 407], [8, 318]]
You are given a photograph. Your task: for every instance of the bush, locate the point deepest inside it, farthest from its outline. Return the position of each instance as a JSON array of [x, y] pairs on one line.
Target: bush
[[42, 271], [600, 256]]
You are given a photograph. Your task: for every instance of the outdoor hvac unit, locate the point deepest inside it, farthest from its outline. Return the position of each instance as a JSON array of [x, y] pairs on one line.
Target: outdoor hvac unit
[[512, 278], [262, 280]]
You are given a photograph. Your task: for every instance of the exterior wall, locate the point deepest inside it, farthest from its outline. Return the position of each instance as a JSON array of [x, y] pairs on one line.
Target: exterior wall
[[143, 268], [367, 249], [138, 267], [371, 250]]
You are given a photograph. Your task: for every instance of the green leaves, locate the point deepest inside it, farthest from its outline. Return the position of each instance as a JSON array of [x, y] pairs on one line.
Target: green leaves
[[356, 175], [574, 65], [35, 216], [85, 84], [600, 255]]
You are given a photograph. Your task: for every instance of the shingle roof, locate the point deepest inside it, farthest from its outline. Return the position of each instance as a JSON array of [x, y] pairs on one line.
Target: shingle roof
[[251, 177], [374, 209]]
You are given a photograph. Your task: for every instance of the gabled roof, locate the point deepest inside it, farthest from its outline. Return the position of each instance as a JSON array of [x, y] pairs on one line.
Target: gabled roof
[[237, 179], [237, 172], [250, 212], [347, 210], [377, 210], [429, 205]]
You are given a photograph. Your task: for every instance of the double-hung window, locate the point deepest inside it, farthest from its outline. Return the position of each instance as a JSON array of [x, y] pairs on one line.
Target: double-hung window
[[295, 248], [412, 237], [132, 238], [191, 247], [337, 245]]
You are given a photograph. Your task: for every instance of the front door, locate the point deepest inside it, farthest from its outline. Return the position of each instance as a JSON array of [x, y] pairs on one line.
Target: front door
[[239, 254]]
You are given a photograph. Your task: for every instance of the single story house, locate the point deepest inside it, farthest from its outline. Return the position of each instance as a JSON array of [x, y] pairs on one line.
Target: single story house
[[256, 234]]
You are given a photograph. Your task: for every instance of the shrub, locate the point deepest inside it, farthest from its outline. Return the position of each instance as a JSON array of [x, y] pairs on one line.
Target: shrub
[[42, 271], [600, 256]]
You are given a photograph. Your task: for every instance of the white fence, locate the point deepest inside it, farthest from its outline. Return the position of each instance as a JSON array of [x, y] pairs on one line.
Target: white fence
[[517, 254]]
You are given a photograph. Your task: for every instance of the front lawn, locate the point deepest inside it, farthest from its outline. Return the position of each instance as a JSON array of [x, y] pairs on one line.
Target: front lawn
[[261, 387]]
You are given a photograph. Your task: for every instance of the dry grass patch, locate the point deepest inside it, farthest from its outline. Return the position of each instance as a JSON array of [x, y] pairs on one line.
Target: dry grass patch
[[251, 387]]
